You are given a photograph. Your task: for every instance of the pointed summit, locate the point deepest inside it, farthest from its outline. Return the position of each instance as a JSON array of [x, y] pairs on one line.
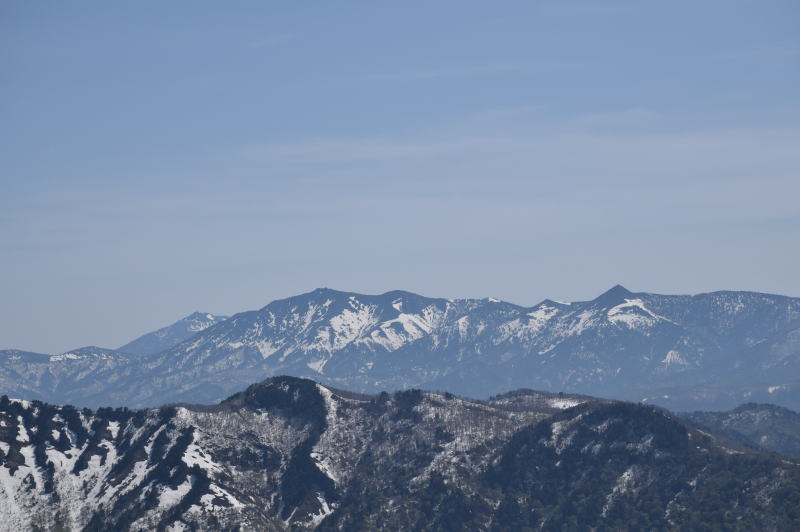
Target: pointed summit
[[616, 294]]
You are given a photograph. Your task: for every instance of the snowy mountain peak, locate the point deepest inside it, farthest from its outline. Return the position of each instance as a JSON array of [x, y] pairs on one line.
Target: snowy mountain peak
[[200, 316], [171, 335]]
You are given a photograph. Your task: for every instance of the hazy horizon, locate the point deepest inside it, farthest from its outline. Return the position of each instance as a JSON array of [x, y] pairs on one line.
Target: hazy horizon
[[161, 159]]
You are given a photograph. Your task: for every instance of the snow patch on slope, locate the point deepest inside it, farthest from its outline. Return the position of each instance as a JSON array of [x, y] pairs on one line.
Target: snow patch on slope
[[171, 497], [634, 314], [674, 358], [564, 402]]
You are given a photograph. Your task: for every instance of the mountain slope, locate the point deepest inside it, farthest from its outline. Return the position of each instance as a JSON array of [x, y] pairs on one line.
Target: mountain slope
[[171, 335], [706, 351], [289, 453], [763, 426]]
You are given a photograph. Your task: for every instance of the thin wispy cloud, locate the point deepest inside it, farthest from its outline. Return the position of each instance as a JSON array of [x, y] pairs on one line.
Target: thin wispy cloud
[[617, 137], [448, 72]]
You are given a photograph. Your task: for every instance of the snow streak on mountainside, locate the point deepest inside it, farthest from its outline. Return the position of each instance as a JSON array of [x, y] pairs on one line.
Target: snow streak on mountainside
[[292, 454], [686, 352]]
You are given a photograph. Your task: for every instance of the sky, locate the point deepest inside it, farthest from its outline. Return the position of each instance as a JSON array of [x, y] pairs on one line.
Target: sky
[[158, 158]]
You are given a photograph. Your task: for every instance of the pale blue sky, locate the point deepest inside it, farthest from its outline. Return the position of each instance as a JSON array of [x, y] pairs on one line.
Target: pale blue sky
[[158, 158]]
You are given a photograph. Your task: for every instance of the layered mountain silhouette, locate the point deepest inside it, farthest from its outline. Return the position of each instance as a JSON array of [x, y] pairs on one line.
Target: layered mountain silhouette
[[707, 351]]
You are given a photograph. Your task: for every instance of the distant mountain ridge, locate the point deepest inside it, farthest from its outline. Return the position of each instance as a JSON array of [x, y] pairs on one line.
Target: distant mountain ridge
[[40, 376], [147, 344], [769, 427], [705, 351]]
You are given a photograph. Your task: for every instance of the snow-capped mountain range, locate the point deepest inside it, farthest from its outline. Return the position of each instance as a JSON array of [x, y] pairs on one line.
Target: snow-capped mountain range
[[705, 351]]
